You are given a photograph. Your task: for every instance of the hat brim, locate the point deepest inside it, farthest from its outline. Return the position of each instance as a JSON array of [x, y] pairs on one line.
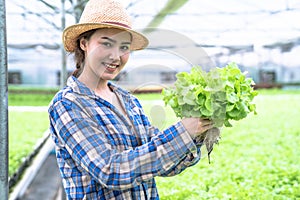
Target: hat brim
[[71, 34]]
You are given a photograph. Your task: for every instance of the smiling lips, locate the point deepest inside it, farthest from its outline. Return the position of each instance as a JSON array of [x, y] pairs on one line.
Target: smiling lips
[[111, 67]]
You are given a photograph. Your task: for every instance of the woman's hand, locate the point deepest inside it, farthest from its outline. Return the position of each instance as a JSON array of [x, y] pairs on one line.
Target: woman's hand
[[196, 126]]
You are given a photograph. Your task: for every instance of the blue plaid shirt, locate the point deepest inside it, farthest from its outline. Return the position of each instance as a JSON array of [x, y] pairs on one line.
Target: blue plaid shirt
[[101, 155]]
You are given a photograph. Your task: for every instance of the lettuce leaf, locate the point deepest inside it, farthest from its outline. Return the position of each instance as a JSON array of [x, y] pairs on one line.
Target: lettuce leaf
[[222, 94]]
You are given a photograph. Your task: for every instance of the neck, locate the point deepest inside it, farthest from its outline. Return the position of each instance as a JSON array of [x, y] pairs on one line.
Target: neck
[[94, 84]]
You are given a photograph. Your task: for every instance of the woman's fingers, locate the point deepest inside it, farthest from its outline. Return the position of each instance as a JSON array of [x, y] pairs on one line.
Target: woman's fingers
[[197, 126], [207, 127], [205, 121]]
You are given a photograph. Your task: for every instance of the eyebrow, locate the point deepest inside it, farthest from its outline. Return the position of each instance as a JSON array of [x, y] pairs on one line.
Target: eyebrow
[[113, 41]]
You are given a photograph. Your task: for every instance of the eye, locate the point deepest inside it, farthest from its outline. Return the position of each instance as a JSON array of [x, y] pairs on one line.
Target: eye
[[125, 48], [106, 44]]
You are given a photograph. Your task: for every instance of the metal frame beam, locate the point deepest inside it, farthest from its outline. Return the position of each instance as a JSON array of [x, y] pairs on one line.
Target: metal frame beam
[[3, 106]]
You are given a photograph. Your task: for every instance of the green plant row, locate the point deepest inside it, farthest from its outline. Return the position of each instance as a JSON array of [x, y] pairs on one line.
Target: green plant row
[[25, 129]]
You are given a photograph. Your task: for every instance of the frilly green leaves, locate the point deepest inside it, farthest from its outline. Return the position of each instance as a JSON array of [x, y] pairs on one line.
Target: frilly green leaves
[[222, 94]]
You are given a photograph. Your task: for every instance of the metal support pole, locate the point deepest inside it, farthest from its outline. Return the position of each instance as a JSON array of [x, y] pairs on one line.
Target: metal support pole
[[63, 72], [3, 106]]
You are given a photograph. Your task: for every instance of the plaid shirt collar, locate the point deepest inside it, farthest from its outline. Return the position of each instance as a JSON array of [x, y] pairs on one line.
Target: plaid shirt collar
[[80, 88]]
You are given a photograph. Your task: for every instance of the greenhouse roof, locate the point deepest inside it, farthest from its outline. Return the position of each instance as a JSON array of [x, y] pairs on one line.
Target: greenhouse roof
[[218, 22]]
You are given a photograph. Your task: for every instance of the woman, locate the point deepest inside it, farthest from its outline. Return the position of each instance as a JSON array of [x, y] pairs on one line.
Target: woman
[[106, 147]]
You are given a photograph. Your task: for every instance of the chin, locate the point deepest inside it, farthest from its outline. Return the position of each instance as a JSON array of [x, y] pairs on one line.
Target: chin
[[108, 78]]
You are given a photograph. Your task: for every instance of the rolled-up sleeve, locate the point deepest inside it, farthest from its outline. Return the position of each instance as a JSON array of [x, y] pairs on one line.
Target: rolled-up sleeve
[[190, 156]]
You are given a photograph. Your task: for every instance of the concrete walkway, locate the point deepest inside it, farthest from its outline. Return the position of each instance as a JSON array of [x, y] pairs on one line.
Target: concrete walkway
[[47, 183]]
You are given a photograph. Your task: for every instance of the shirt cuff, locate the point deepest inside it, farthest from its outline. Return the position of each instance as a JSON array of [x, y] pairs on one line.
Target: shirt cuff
[[190, 142]]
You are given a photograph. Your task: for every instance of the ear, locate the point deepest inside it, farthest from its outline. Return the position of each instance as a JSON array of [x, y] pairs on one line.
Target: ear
[[83, 44]]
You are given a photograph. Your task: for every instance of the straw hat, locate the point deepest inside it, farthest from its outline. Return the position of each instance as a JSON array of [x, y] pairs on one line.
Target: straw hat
[[103, 14]]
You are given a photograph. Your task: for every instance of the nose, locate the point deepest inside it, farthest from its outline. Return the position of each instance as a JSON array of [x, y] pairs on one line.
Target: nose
[[115, 53]]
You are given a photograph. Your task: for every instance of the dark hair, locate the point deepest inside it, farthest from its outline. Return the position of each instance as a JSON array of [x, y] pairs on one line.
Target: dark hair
[[79, 53]]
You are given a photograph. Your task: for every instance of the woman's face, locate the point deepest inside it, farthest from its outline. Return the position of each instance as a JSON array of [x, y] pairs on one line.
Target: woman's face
[[107, 51]]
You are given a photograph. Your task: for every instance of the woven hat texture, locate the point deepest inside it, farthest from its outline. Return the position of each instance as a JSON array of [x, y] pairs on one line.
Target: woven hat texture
[[103, 14]]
